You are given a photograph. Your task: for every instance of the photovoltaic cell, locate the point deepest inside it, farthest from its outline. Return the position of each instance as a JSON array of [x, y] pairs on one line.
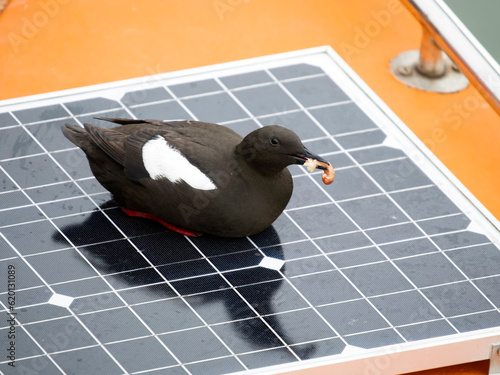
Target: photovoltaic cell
[[383, 256]]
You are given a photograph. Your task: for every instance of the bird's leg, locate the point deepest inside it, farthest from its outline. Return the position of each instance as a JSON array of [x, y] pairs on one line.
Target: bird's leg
[[145, 215]]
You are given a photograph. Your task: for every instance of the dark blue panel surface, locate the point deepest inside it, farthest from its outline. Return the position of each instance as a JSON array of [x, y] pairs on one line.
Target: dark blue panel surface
[[380, 257]]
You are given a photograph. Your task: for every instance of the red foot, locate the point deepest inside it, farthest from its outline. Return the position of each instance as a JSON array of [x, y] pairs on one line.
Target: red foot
[[145, 215]]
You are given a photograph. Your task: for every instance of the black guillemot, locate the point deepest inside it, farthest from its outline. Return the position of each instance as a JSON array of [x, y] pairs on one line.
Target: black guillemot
[[194, 177]]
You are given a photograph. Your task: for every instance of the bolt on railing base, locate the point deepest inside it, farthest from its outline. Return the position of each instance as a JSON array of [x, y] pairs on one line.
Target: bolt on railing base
[[405, 68]]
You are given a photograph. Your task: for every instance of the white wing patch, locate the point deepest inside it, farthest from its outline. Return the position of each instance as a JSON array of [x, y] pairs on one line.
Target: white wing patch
[[162, 160]]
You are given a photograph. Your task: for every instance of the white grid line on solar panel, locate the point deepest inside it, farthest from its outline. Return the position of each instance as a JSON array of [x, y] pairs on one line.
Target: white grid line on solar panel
[[49, 200], [386, 193], [45, 203], [50, 183], [177, 331], [220, 274], [245, 285], [5, 259], [27, 156], [397, 205], [448, 283], [235, 121], [325, 253], [352, 220], [20, 324], [69, 247], [70, 117], [166, 333], [239, 120], [221, 123], [347, 167], [296, 110], [360, 197], [290, 111], [319, 315], [53, 292], [168, 282], [174, 366], [369, 163], [215, 92], [277, 314], [40, 205], [69, 180], [125, 289], [286, 210], [62, 317], [87, 178], [293, 286], [269, 115], [166, 367], [358, 164], [241, 268], [302, 343], [36, 154], [53, 353], [364, 297], [86, 260], [27, 324], [19, 122], [293, 242], [243, 353], [121, 341], [223, 277], [441, 251], [161, 83], [184, 330], [95, 294], [53, 217]]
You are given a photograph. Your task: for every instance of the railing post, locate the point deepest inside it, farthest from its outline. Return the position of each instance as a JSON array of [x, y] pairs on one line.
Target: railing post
[[430, 62]]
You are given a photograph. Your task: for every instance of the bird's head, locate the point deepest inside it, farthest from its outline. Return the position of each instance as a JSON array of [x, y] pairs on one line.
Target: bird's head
[[272, 148]]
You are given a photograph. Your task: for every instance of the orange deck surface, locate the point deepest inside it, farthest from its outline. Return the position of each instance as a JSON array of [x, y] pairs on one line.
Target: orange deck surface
[[50, 45]]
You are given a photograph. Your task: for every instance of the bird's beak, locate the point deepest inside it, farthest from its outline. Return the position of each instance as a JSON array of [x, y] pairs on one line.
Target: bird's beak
[[300, 158]]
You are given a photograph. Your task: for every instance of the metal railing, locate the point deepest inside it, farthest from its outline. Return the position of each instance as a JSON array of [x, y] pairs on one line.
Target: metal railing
[[443, 30]]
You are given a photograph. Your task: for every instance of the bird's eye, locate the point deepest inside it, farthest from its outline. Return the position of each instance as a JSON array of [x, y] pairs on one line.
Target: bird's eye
[[274, 141]]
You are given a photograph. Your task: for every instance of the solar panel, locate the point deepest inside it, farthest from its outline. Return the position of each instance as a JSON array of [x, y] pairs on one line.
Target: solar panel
[[395, 254]]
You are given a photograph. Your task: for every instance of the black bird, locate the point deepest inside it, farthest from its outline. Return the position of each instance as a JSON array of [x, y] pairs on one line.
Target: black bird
[[194, 177]]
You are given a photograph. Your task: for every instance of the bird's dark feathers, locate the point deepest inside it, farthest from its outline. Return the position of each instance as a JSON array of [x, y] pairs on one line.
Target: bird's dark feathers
[[130, 121], [252, 182], [133, 163], [108, 140]]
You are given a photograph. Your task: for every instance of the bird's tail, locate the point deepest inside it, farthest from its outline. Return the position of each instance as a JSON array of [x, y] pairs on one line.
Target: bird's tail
[[77, 135]]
